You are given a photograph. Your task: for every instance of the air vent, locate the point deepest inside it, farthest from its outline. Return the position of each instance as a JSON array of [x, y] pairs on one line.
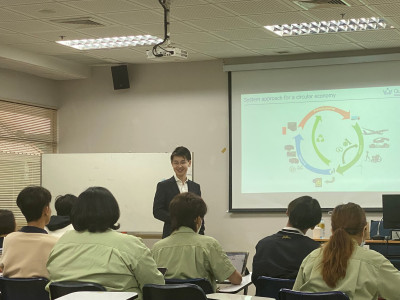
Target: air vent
[[78, 22], [309, 4]]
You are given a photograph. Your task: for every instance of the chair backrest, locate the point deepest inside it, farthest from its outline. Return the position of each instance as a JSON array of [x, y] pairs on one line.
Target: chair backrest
[[61, 288], [23, 288], [183, 291], [286, 294], [269, 286], [201, 282]]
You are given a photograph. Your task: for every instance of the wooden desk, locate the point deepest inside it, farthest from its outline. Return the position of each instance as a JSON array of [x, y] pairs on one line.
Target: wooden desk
[[100, 296], [221, 296]]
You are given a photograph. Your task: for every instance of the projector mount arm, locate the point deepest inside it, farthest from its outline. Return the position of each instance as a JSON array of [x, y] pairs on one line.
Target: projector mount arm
[[166, 4]]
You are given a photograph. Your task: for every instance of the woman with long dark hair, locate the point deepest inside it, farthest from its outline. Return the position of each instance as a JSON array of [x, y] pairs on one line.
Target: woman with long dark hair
[[342, 265]]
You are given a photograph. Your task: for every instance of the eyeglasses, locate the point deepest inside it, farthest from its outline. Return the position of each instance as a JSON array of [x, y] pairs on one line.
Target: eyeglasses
[[179, 163]]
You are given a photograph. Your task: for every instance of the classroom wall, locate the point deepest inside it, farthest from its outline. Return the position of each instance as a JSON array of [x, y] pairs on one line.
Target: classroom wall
[[168, 104], [26, 88]]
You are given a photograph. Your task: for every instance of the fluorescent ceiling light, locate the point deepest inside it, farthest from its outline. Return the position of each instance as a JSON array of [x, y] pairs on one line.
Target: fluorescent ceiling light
[[112, 42], [349, 25]]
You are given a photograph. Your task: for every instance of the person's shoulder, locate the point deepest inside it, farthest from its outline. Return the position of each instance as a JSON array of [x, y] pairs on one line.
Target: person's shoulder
[[314, 254], [269, 239], [166, 182], [194, 183], [370, 257], [51, 239]]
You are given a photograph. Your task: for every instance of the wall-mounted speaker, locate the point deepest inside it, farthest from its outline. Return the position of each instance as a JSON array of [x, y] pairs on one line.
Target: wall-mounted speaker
[[120, 77]]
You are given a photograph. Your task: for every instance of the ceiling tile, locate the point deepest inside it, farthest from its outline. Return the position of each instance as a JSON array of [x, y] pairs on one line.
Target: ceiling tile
[[265, 44], [389, 10], [216, 46], [110, 31], [200, 37], [104, 6], [29, 26], [7, 15], [317, 39], [10, 39], [279, 18], [380, 1], [336, 14], [239, 34], [196, 12], [221, 23], [244, 8], [158, 28], [174, 3], [230, 52], [52, 36], [134, 17], [372, 35], [18, 2], [47, 10], [283, 51]]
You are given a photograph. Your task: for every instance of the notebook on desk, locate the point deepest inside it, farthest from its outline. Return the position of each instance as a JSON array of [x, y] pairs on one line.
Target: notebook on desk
[[239, 260]]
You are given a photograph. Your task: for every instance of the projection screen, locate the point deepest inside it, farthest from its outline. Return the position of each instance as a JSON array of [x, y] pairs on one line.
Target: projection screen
[[331, 132]]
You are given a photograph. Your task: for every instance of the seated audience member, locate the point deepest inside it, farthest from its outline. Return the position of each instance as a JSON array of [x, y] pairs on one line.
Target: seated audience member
[[187, 254], [280, 255], [342, 265], [95, 252], [7, 225], [25, 252], [61, 223]]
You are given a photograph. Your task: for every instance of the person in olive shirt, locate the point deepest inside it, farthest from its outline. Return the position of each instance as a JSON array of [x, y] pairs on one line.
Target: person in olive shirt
[[95, 252], [187, 254]]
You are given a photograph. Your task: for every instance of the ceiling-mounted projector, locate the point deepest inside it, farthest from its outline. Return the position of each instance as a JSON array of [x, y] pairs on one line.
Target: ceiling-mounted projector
[[167, 53]]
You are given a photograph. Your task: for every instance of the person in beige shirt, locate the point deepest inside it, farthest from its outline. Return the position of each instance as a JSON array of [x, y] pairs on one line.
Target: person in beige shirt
[[25, 253]]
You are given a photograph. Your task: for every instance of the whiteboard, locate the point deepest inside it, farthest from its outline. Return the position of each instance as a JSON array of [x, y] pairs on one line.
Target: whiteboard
[[131, 177]]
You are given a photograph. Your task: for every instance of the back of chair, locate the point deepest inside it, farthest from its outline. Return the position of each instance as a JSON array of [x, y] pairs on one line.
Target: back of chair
[[201, 282], [269, 286], [286, 294], [61, 288], [23, 288], [184, 291]]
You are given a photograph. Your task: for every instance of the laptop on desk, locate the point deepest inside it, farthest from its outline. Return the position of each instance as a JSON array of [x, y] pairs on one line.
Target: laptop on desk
[[239, 260]]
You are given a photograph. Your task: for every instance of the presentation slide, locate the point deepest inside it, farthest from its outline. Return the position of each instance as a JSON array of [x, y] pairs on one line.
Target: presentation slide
[[341, 140], [308, 131]]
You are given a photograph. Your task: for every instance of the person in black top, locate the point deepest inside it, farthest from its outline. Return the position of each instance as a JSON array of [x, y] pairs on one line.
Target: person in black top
[[281, 254], [60, 223]]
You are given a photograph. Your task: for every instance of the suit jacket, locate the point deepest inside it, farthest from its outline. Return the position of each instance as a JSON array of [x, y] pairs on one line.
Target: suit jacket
[[166, 191]]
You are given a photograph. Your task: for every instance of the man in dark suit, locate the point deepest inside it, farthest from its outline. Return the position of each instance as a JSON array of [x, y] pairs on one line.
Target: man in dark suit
[[181, 160]]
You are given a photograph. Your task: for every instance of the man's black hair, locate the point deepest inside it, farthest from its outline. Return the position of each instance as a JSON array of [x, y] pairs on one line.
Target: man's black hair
[[181, 151], [32, 200], [304, 212]]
